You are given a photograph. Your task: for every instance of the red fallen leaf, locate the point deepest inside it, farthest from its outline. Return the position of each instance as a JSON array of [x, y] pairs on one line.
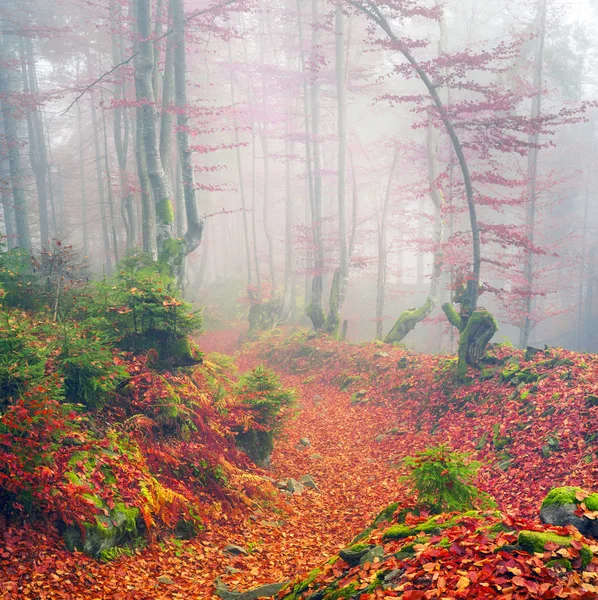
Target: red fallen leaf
[[551, 546], [455, 548], [577, 544], [519, 581]]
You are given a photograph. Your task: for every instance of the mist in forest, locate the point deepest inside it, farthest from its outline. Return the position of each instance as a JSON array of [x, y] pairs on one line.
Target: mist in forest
[[359, 167]]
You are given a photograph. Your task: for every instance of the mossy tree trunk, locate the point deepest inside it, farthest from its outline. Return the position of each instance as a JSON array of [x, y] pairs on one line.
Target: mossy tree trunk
[[476, 330]]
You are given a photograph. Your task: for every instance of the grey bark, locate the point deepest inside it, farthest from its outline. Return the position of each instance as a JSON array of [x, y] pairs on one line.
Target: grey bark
[[143, 76], [532, 178], [37, 140], [195, 224], [101, 190]]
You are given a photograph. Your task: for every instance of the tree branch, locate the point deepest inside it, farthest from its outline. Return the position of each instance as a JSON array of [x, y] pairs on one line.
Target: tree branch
[[192, 16]]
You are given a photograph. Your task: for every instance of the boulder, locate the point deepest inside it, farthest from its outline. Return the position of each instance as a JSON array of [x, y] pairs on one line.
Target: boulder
[[353, 555], [308, 482], [561, 504], [258, 445], [305, 442], [381, 437], [165, 580], [316, 456], [118, 528], [294, 486], [235, 550], [264, 591]]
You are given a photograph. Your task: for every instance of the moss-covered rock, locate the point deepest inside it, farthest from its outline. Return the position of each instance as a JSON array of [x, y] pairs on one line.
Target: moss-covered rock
[[535, 541], [560, 505], [117, 529], [432, 526], [257, 444]]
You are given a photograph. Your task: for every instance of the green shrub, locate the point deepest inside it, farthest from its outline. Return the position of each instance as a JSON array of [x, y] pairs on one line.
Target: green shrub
[[442, 479], [140, 309], [87, 365], [260, 389]]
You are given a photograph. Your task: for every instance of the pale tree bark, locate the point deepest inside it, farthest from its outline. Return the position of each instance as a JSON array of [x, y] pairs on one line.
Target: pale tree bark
[[240, 172], [155, 170], [383, 251], [8, 53], [340, 281], [101, 190], [84, 225], [110, 195], [355, 211], [37, 140], [122, 128], [10, 226], [167, 117], [158, 30], [315, 310], [195, 224], [258, 276], [309, 205], [289, 299], [532, 177], [148, 208], [266, 158], [179, 201]]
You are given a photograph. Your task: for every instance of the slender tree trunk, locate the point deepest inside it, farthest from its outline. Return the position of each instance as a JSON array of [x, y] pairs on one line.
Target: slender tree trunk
[[341, 278], [258, 294], [179, 200], [84, 225], [37, 140], [110, 195], [167, 117], [101, 191], [355, 211], [383, 252], [532, 179], [195, 224], [315, 310], [143, 77], [240, 172], [288, 304], [121, 128], [10, 226]]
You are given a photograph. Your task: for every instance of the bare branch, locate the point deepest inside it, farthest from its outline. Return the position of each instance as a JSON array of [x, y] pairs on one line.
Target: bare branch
[[193, 15]]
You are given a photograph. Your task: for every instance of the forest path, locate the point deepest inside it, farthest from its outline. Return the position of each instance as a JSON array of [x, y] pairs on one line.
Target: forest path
[[353, 470]]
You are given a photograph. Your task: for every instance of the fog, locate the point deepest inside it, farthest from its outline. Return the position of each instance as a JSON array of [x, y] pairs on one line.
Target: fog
[[324, 164]]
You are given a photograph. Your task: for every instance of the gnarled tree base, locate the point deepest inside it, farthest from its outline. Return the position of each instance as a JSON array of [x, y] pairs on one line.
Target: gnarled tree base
[[476, 334]]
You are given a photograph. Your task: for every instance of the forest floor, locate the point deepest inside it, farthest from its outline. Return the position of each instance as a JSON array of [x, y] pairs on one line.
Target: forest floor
[[354, 455], [284, 539]]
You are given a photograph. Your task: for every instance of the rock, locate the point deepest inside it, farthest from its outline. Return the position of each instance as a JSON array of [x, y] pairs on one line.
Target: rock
[[305, 442], [316, 456], [165, 580], [592, 400], [258, 445], [353, 555], [359, 397], [231, 570], [560, 505], [317, 400], [530, 352], [381, 354], [375, 552], [282, 484], [549, 411], [118, 528], [265, 591], [308, 482], [381, 437], [294, 486], [234, 550]]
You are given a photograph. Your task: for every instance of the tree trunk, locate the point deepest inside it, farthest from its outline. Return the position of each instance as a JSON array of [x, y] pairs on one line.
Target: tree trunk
[[121, 127], [532, 178], [167, 116], [240, 172], [195, 224], [159, 184], [383, 252], [110, 195], [315, 310], [101, 191], [10, 226], [340, 281], [37, 139]]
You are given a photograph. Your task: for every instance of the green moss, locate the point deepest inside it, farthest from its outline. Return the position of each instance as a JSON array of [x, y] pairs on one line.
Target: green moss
[[452, 315], [165, 211], [431, 526], [535, 541], [407, 322], [591, 502], [316, 316], [385, 514], [303, 585], [562, 495], [444, 543], [562, 563]]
